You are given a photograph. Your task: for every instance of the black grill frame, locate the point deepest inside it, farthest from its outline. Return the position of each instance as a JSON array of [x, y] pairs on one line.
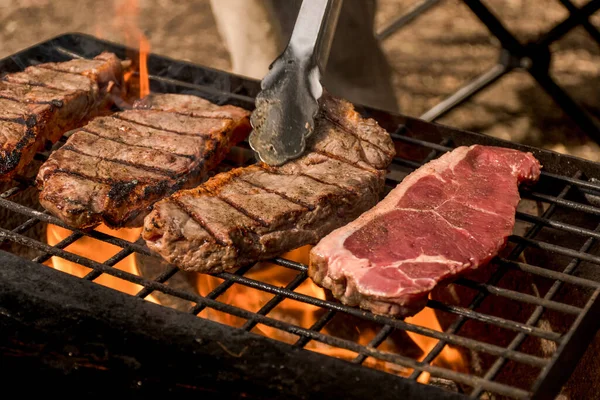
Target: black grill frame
[[572, 174]]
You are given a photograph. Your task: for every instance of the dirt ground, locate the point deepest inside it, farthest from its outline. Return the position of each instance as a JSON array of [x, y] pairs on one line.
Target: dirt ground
[[431, 58]]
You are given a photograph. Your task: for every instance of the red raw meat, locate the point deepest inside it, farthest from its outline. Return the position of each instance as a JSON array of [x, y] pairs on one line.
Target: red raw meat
[[448, 217]]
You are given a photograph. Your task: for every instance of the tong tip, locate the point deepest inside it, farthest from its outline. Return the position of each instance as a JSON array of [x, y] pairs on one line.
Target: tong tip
[[284, 116]]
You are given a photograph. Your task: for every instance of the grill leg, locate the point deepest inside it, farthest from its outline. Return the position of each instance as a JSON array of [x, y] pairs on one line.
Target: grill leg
[[536, 57]]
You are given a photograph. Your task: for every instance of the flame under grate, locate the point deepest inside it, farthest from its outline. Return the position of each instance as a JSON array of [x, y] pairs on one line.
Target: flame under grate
[[558, 206]]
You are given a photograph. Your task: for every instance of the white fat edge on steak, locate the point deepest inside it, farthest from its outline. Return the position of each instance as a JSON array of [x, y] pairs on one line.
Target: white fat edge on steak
[[334, 242]]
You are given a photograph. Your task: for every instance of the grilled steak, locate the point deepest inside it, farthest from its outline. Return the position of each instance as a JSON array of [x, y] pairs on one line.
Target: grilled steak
[[115, 167], [41, 103], [450, 216], [255, 213]]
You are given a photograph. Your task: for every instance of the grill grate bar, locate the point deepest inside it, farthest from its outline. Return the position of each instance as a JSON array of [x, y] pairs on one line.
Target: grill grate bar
[[423, 143], [573, 205], [558, 225], [407, 163], [442, 147], [162, 278], [435, 152], [400, 324], [55, 251], [219, 290], [289, 264], [563, 251], [72, 238], [511, 294], [271, 304], [15, 189], [494, 279], [42, 156], [296, 330], [577, 182], [559, 276], [534, 318], [110, 262], [376, 341], [24, 227], [200, 88], [316, 327], [67, 52], [501, 322]]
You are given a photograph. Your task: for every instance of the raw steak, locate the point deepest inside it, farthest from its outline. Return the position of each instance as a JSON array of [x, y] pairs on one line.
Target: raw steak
[[450, 216], [114, 168], [255, 213]]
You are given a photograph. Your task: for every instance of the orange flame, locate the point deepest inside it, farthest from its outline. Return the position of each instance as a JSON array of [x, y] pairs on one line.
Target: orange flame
[[127, 12], [448, 358], [294, 312], [305, 315], [144, 77], [99, 251]]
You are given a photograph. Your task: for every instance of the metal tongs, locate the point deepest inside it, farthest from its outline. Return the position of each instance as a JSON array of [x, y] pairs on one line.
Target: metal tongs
[[288, 103]]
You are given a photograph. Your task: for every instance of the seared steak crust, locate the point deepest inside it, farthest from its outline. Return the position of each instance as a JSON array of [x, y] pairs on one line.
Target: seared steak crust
[[255, 213], [42, 102], [114, 168]]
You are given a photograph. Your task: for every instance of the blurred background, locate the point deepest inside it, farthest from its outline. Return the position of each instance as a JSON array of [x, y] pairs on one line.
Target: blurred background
[[430, 59]]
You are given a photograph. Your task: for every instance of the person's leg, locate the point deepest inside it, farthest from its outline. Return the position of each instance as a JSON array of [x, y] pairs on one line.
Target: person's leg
[[256, 32], [251, 34]]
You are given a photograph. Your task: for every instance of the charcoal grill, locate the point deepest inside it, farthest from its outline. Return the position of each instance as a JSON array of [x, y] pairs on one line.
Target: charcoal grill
[[87, 338]]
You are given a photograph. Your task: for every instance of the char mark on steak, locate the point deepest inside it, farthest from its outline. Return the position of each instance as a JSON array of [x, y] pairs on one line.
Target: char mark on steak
[[114, 168], [450, 216], [42, 102], [255, 213]]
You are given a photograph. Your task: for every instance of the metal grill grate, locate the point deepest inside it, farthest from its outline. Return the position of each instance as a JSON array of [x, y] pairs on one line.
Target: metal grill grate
[[558, 245]]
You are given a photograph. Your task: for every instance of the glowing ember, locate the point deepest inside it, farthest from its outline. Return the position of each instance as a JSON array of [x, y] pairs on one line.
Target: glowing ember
[[99, 251]]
